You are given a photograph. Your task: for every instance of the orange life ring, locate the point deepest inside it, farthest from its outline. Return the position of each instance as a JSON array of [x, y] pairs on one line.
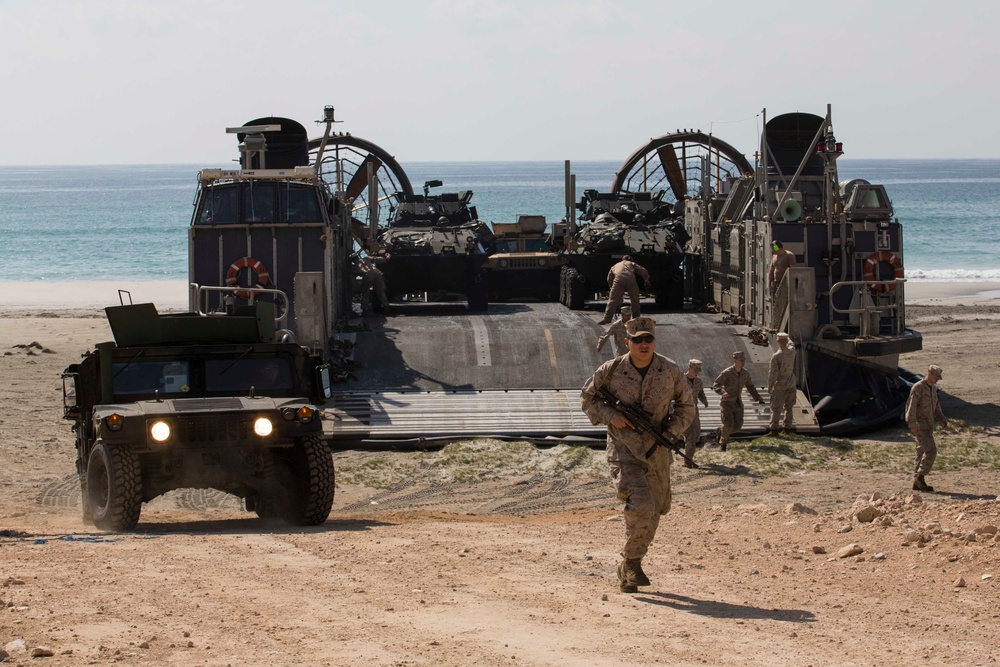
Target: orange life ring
[[232, 276], [876, 258]]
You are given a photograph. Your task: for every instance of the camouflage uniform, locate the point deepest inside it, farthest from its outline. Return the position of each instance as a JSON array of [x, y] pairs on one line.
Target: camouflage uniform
[[642, 483], [922, 410], [732, 382], [616, 332], [693, 433], [781, 385], [371, 278], [621, 279]]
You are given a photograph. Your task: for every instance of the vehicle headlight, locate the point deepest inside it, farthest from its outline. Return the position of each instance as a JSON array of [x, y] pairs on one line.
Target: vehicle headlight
[[263, 427], [305, 414], [503, 263], [160, 431], [114, 421]]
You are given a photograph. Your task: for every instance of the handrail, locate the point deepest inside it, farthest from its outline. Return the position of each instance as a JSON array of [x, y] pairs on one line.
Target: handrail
[[201, 292], [896, 309]]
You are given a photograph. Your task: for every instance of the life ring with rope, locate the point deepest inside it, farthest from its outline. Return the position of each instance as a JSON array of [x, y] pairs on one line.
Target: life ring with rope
[[255, 265], [882, 257]]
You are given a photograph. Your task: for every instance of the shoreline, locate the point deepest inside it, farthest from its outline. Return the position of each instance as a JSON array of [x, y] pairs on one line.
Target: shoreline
[[172, 295]]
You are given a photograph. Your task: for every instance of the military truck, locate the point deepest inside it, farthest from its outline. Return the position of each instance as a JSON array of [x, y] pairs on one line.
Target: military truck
[[193, 401], [526, 264], [436, 243], [616, 224]]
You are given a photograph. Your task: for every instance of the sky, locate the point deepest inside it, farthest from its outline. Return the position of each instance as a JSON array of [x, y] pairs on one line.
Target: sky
[[158, 81]]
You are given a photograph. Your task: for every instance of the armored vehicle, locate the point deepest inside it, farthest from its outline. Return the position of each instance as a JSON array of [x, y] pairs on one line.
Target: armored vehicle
[[527, 263], [192, 401], [436, 243], [616, 224]]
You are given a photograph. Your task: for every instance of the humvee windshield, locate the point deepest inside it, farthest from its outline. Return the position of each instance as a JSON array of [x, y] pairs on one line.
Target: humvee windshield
[[200, 377]]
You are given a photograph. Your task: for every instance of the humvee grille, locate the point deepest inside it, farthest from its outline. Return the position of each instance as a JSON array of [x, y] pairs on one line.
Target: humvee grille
[[205, 404], [212, 428]]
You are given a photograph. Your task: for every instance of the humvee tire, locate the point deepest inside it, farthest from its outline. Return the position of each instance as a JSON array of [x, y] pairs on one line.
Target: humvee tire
[[306, 484], [114, 487]]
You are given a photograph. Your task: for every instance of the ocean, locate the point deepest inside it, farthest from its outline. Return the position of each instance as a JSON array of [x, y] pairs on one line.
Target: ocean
[[129, 223]]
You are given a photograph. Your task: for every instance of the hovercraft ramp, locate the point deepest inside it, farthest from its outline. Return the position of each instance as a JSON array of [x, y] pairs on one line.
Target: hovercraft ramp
[[437, 371]]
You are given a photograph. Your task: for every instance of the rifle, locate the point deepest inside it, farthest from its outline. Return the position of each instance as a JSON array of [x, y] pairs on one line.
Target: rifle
[[641, 423]]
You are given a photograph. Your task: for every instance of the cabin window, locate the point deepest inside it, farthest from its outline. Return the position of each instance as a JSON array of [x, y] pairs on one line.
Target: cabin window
[[218, 205], [872, 199], [258, 202], [299, 205]]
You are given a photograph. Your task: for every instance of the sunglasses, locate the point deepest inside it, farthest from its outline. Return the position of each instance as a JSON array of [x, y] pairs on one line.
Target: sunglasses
[[642, 339]]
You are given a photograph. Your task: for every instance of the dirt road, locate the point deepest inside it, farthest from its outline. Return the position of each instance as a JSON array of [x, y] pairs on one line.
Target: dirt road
[[503, 554]]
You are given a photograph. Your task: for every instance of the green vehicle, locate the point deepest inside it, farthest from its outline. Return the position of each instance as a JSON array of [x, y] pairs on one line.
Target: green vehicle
[[195, 401]]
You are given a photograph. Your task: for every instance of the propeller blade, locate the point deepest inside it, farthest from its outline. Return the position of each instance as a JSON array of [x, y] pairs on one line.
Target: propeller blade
[[360, 179], [668, 158]]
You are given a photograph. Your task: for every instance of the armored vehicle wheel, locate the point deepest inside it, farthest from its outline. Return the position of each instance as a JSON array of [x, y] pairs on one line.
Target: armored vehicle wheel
[[563, 298], [114, 487], [671, 299], [307, 501], [576, 290], [479, 295]]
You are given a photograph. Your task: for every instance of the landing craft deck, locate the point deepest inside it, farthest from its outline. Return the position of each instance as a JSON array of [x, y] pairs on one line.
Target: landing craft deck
[[435, 370]]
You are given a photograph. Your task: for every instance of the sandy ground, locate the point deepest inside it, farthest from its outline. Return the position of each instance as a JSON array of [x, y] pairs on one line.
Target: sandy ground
[[515, 567]]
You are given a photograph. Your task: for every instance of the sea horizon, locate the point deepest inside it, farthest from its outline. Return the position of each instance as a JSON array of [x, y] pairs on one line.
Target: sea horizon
[[64, 223]]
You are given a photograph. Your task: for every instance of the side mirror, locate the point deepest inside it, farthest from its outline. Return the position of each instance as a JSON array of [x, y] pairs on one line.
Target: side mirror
[[324, 382]]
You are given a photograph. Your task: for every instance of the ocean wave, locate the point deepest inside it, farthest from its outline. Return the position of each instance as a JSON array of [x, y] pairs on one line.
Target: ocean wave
[[953, 275]]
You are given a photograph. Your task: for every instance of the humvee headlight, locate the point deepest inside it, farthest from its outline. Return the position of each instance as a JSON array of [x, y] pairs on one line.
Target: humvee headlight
[[503, 263], [114, 421], [304, 414], [263, 427], [160, 431]]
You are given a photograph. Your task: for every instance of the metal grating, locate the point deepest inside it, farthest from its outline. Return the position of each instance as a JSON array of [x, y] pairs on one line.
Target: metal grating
[[205, 404], [526, 413]]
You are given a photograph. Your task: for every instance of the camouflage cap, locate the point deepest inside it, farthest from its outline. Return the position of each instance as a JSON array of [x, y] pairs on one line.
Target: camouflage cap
[[695, 364], [934, 370], [740, 355], [640, 325], [782, 336], [626, 310]]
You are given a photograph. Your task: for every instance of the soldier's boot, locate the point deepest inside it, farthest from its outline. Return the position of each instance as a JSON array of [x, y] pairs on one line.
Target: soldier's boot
[[626, 579], [920, 484], [635, 566]]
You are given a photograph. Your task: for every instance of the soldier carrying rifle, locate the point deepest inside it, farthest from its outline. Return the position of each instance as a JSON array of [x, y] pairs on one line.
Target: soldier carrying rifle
[[639, 467]]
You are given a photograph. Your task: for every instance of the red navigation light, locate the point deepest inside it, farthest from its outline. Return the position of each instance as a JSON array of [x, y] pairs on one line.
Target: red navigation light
[[820, 148], [840, 147]]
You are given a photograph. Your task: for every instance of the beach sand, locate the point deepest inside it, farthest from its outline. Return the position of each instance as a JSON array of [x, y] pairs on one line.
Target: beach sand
[[172, 295], [738, 577]]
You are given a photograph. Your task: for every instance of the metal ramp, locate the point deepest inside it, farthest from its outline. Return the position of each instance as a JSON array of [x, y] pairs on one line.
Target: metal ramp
[[530, 414], [436, 371]]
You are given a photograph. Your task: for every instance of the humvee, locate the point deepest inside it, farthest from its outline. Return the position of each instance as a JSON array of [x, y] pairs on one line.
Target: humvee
[[194, 401]]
